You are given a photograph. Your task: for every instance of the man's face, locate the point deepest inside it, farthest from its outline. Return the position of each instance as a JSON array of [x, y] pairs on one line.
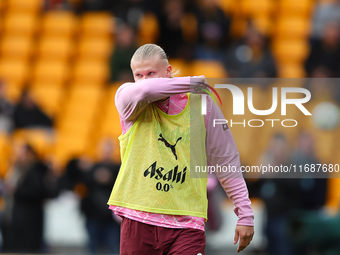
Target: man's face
[[151, 68]]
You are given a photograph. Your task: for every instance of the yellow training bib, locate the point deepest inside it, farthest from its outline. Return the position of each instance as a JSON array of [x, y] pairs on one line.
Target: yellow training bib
[[156, 155]]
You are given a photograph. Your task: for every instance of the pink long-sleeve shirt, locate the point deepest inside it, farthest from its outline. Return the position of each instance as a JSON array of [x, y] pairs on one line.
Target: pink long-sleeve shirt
[[132, 98]]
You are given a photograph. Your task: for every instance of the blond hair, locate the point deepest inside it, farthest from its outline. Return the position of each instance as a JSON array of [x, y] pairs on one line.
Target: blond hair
[[148, 51]]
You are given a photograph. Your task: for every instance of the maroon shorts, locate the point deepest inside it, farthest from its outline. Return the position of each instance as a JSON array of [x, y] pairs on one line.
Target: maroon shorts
[[143, 239]]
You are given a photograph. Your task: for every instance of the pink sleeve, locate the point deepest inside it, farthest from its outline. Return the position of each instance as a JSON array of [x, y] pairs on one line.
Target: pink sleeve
[[131, 98], [222, 150]]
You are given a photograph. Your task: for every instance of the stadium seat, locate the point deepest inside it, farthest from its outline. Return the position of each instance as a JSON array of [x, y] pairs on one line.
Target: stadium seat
[[91, 72], [325, 146], [13, 71], [238, 27], [1, 22], [82, 104], [50, 71], [55, 48], [250, 8], [292, 27], [263, 24], [48, 96], [16, 47], [59, 23], [296, 8], [189, 28], [148, 29], [81, 110], [77, 121], [77, 126], [4, 154], [2, 6], [89, 94], [291, 71], [209, 68], [181, 66], [39, 139], [333, 195], [20, 24], [24, 6], [97, 49], [291, 51], [110, 123], [68, 146], [97, 25], [13, 91]]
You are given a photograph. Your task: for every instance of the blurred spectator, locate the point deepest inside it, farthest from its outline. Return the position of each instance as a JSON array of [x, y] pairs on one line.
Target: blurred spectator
[[76, 175], [57, 4], [94, 182], [130, 11], [324, 57], [322, 88], [103, 230], [27, 185], [213, 27], [318, 230], [279, 196], [90, 5], [251, 58], [6, 110], [325, 13], [125, 47], [170, 28], [313, 186], [27, 114]]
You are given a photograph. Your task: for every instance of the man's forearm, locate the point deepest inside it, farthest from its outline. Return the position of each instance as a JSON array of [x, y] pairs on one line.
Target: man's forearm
[[132, 98]]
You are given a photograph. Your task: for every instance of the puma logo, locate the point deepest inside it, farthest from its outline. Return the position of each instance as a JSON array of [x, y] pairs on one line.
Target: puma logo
[[167, 144]]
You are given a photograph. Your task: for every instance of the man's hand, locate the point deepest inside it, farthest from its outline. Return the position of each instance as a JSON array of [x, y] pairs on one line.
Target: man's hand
[[245, 234], [203, 79], [200, 83]]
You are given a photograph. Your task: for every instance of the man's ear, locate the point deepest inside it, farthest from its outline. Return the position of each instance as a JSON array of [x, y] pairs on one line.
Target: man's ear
[[168, 71]]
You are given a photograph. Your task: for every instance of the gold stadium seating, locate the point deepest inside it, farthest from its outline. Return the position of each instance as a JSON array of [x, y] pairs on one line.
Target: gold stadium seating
[[68, 146], [50, 71], [40, 139], [20, 24], [16, 47], [291, 51], [24, 6], [252, 8], [13, 91], [292, 27], [95, 48], [48, 96], [55, 48], [189, 28], [148, 29], [91, 71], [59, 23], [296, 8], [4, 153], [14, 71], [209, 68], [291, 71], [181, 66], [110, 123], [263, 24], [97, 25]]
